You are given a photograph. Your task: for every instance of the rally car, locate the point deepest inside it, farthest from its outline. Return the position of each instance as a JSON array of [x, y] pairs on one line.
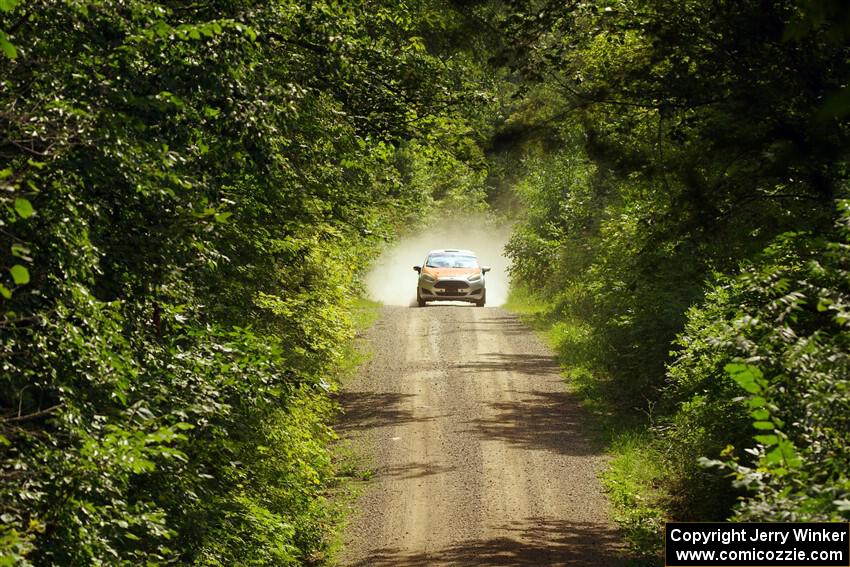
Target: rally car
[[451, 275]]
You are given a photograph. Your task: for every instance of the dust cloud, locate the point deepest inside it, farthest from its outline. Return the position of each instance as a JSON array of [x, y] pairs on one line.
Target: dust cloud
[[392, 281]]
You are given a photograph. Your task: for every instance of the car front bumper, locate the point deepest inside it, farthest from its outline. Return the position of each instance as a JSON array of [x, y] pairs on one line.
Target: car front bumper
[[451, 289]]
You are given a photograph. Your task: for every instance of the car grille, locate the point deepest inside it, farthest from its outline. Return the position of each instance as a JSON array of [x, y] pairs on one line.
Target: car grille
[[451, 285]]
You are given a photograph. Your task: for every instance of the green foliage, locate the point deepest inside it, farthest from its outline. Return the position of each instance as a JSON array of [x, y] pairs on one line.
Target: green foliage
[[785, 318], [266, 521], [679, 169], [671, 160], [188, 194]]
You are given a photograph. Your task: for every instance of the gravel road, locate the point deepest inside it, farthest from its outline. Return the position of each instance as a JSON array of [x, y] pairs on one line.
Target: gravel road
[[481, 456]]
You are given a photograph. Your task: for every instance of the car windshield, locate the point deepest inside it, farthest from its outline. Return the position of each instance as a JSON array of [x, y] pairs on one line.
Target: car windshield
[[451, 261]]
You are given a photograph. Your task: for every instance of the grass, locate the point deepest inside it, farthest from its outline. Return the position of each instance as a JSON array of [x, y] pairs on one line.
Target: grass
[[352, 468], [633, 477], [364, 313], [632, 483]]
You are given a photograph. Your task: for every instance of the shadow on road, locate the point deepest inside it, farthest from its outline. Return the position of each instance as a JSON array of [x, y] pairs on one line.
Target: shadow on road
[[534, 542], [532, 364], [367, 410], [550, 421], [409, 471]]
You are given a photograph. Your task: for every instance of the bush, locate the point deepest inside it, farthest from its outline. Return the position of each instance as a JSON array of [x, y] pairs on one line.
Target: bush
[[777, 418], [187, 196]]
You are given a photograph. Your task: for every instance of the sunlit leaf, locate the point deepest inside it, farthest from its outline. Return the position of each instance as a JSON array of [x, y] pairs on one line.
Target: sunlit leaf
[[23, 207], [8, 49], [20, 274], [760, 414]]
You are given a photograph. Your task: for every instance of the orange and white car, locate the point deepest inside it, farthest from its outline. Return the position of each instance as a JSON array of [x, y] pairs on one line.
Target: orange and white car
[[451, 275]]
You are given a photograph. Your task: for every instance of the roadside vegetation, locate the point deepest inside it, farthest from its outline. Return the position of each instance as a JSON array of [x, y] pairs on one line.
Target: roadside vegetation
[[190, 193], [683, 176]]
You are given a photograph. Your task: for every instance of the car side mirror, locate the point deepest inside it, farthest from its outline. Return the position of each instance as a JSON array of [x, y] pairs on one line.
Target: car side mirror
[[485, 269], [417, 269]]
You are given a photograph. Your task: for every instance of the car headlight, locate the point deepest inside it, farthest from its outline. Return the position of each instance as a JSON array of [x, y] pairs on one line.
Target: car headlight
[[427, 279], [474, 278]]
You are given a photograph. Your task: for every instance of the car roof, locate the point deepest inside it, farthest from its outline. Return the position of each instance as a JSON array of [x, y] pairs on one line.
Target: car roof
[[452, 251]]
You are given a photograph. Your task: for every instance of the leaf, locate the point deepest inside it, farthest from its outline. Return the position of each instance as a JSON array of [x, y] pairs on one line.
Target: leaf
[[20, 274], [416, 43], [8, 5], [222, 217], [767, 440], [773, 456], [5, 292], [708, 463], [22, 252], [746, 376], [783, 452], [145, 413], [763, 425], [9, 49], [139, 465], [760, 414], [23, 207]]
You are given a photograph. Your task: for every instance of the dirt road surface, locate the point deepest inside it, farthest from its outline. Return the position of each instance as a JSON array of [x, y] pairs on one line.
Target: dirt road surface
[[481, 456]]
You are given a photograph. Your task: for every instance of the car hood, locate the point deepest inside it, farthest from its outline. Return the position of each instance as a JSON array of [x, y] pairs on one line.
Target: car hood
[[450, 272]]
